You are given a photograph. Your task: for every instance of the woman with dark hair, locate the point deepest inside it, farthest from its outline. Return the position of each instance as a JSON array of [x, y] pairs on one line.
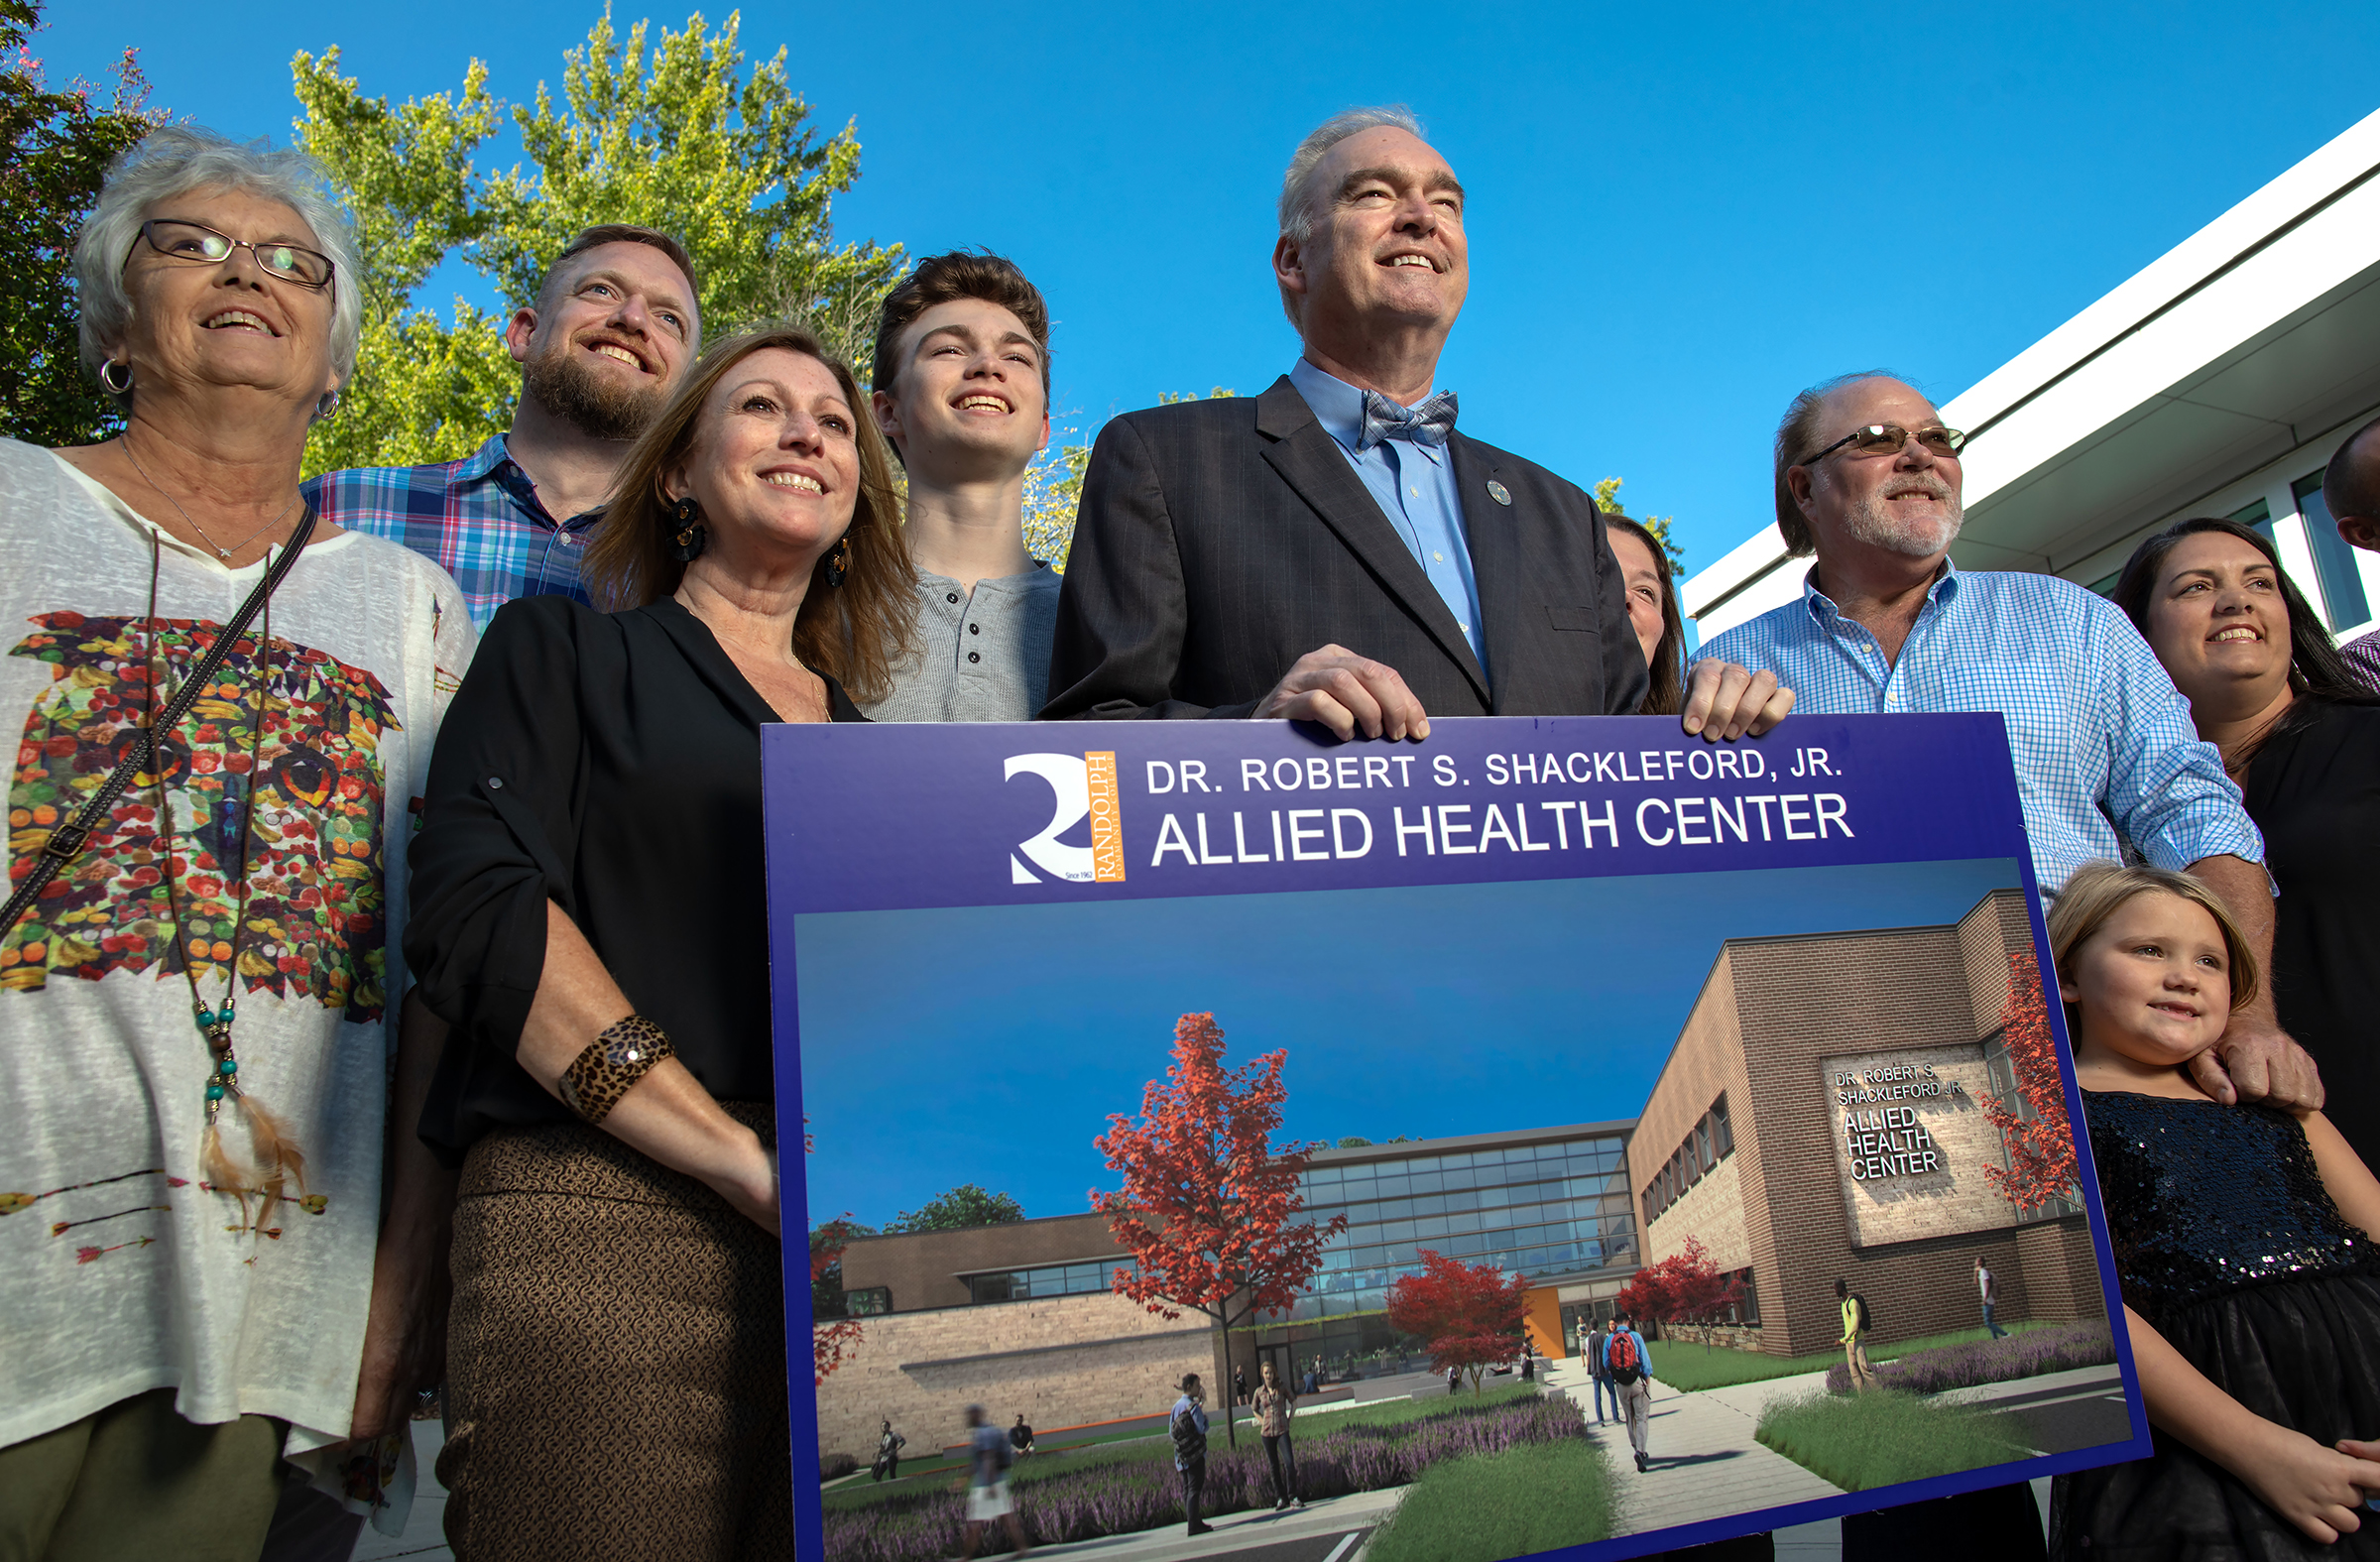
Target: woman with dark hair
[[2302, 737], [1652, 598], [592, 927]]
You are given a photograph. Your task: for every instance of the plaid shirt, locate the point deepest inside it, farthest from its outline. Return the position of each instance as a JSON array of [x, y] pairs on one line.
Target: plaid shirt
[[2106, 752], [478, 519], [2363, 659]]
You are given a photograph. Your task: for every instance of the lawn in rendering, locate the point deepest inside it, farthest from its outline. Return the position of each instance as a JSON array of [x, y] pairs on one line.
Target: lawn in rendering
[[1208, 1049]]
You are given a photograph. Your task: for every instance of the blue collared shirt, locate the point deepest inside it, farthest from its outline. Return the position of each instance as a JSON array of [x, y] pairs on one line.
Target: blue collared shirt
[[478, 519], [2104, 748], [1414, 486]]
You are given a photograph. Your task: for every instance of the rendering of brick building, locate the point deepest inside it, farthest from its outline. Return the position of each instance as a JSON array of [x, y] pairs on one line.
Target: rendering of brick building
[[1017, 1317], [1822, 1117], [1021, 1317]]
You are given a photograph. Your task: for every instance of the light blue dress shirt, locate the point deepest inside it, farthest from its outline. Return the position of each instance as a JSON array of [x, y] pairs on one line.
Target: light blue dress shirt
[[2104, 748], [1414, 486]]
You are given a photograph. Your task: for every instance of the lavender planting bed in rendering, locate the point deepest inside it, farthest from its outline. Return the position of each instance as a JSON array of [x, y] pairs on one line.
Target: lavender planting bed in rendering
[[2026, 1354], [1122, 1493]]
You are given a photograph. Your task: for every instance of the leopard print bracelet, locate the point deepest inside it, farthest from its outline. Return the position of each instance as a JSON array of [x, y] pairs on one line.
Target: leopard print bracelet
[[620, 1055]]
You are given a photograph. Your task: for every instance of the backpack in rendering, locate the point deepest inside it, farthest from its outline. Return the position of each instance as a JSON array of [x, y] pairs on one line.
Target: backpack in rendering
[[1860, 1302], [1188, 1441], [1627, 1367]]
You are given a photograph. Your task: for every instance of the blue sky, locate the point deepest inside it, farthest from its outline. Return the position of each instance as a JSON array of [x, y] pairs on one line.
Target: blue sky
[[1679, 214], [990, 1044]]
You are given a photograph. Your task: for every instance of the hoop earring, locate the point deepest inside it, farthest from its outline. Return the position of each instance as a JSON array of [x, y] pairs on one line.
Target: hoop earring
[[838, 562], [691, 537], [107, 380], [326, 405]]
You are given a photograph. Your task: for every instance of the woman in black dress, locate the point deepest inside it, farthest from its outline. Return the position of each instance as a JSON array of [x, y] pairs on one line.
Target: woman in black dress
[[589, 918], [2251, 1287], [2302, 737]]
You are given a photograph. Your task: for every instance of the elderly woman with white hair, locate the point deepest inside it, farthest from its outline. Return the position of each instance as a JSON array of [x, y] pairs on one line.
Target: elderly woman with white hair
[[225, 710]]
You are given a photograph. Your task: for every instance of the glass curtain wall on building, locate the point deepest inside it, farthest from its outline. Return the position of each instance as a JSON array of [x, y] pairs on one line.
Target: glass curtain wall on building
[[1537, 1210], [2343, 600]]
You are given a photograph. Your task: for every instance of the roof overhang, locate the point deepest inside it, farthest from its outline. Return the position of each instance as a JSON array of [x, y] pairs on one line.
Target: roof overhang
[[2256, 334]]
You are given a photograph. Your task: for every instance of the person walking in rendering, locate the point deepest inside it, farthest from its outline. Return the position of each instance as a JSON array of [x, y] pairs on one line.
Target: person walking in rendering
[[1188, 1426], [988, 1459], [1239, 1385], [1275, 1405], [889, 1445], [1987, 1290], [1855, 1338], [1599, 1373], [1631, 1373]]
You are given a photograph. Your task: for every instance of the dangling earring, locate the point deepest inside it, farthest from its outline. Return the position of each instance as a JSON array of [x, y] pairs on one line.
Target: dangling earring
[[108, 377], [690, 539], [325, 405], [838, 562]]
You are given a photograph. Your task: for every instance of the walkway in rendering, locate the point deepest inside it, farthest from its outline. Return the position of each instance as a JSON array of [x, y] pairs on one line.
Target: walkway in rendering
[[1704, 1463]]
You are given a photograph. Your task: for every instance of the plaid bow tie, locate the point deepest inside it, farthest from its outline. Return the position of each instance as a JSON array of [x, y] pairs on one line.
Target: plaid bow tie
[[1428, 424]]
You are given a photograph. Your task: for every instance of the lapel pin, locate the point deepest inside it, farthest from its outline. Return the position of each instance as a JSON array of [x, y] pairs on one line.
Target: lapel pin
[[1499, 492]]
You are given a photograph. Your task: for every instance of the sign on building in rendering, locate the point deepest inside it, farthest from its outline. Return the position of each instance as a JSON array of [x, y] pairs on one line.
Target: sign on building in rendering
[[1911, 1141]]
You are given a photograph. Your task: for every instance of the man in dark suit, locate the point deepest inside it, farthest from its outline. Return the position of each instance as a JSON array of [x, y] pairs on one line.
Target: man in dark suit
[[1334, 551]]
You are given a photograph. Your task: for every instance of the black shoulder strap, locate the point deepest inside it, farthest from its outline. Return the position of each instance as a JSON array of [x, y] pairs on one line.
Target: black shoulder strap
[[68, 839]]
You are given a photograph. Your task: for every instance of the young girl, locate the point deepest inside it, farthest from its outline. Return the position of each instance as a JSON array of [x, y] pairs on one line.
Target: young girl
[[2251, 1288]]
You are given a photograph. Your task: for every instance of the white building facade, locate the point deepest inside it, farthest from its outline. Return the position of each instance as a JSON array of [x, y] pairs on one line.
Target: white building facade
[[2217, 382]]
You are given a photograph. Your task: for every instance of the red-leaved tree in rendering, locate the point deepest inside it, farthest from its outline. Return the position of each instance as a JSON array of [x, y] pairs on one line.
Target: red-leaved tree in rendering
[[1684, 1288], [1469, 1314], [1208, 1208], [2041, 1147], [828, 1339]]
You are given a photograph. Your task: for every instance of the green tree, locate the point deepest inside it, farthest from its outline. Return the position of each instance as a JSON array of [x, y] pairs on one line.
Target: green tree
[[1607, 499], [963, 1206], [680, 137], [58, 146]]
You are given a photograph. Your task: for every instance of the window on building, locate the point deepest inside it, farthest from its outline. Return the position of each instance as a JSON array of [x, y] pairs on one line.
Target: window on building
[[2000, 1072], [1723, 1135], [2343, 598], [1748, 1309], [1056, 1279], [870, 1302], [2257, 517]]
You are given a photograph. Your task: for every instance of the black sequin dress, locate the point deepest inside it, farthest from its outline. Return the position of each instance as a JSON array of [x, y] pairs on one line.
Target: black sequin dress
[[2226, 1242]]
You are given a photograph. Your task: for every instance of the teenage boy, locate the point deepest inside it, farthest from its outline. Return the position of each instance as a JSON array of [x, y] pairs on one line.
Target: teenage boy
[[961, 392]]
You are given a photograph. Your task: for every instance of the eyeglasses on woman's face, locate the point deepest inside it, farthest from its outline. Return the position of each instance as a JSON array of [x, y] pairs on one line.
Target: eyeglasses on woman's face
[[1875, 439], [198, 245]]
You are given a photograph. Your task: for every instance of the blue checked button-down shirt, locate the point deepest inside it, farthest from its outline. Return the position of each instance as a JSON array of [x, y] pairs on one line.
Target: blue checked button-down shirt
[[2104, 749], [478, 519], [1413, 484]]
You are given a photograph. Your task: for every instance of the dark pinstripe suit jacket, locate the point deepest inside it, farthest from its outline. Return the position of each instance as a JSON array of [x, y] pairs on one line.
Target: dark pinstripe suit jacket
[[1220, 541]]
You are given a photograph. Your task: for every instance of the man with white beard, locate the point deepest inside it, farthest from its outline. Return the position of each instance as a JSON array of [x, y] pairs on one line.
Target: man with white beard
[[1868, 479]]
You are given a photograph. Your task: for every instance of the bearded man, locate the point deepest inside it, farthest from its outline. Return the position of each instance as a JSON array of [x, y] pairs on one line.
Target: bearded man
[[612, 327]]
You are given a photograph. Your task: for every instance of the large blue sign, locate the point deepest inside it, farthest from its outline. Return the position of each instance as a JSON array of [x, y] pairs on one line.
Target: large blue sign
[[983, 935]]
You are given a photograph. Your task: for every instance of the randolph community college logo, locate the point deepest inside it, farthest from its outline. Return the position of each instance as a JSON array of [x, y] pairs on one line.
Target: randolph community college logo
[[1082, 783]]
